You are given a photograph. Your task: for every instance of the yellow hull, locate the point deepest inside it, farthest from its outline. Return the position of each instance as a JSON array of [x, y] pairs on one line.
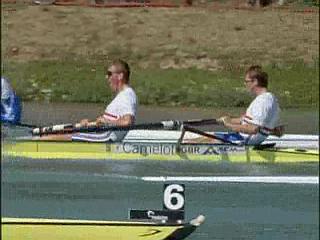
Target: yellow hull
[[53, 229], [154, 151]]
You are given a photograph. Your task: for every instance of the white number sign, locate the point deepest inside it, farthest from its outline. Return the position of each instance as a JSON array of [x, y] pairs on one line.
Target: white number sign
[[173, 197]]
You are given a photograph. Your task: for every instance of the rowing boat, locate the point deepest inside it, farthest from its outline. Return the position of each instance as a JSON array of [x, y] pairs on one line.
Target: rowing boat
[[162, 145], [39, 229]]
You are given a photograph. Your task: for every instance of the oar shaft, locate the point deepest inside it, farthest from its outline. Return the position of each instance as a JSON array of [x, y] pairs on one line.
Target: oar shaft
[[20, 124], [165, 125], [161, 125], [208, 135], [26, 125], [200, 122], [69, 128]]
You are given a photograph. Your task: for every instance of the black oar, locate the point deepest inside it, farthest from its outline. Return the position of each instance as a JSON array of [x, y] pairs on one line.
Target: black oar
[[20, 124], [165, 125], [212, 136]]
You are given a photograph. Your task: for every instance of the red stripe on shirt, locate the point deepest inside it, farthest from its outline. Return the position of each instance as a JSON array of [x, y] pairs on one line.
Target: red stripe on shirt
[[110, 116]]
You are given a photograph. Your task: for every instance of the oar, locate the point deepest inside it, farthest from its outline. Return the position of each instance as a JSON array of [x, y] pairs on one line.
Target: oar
[[166, 125], [20, 124], [208, 135]]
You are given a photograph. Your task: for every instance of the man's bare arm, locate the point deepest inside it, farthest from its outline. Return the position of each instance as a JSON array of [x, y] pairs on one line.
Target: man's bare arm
[[247, 128], [125, 120]]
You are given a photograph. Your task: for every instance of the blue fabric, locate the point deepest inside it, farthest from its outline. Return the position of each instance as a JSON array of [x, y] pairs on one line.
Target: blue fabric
[[11, 109], [231, 137]]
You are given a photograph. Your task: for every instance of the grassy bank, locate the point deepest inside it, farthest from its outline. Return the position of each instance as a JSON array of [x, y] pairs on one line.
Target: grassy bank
[[184, 56], [296, 85]]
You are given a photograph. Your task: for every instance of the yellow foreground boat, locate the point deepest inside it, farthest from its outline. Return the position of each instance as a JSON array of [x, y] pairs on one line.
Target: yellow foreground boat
[[54, 229], [38, 149]]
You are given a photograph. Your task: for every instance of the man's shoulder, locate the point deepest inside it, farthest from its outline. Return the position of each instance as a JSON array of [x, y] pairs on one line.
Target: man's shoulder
[[127, 95], [264, 100], [129, 92], [266, 97]]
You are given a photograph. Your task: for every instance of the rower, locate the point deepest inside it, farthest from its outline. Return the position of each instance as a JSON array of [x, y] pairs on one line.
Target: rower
[[262, 116], [10, 104], [120, 112]]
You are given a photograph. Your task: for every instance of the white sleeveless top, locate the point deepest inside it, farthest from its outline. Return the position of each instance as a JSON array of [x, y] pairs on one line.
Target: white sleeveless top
[[123, 104], [264, 111]]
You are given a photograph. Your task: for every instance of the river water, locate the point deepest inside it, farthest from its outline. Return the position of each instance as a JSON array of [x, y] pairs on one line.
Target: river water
[[93, 189]]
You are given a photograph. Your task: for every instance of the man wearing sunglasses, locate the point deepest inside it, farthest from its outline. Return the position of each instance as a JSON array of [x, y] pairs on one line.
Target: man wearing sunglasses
[[262, 116], [120, 112]]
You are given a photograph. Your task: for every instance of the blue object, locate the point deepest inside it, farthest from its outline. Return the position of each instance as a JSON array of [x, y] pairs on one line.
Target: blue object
[[10, 104], [231, 137]]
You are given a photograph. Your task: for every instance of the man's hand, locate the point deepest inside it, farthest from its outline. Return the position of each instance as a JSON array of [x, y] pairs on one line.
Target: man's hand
[[100, 121], [224, 120], [84, 123]]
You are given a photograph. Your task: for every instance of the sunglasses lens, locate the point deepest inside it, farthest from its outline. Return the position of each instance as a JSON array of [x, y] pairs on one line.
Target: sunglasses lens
[[109, 73]]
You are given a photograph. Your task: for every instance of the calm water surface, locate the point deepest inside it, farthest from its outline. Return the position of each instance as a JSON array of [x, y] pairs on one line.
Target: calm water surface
[[232, 210]]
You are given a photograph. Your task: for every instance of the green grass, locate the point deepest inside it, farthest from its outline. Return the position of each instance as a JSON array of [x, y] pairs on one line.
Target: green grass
[[179, 57], [296, 85]]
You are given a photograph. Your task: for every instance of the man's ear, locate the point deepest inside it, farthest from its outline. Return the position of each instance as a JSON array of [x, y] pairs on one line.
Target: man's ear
[[254, 80], [121, 76]]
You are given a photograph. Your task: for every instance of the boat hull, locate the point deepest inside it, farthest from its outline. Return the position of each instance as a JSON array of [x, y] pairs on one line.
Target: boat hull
[[155, 151], [52, 229]]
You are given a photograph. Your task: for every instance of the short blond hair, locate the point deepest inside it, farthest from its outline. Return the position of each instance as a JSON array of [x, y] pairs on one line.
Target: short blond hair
[[122, 67]]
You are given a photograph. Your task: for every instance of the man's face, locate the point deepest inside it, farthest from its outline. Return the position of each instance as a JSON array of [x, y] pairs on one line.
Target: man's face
[[114, 78], [250, 83]]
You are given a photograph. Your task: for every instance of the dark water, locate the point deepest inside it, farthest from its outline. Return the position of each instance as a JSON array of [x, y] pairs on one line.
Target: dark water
[[233, 211], [107, 189], [90, 189]]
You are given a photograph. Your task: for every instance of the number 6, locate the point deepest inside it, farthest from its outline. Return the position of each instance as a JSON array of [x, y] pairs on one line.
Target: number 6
[[173, 197]]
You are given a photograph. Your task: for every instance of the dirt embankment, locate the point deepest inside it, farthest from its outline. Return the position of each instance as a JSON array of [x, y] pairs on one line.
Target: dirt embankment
[[208, 38]]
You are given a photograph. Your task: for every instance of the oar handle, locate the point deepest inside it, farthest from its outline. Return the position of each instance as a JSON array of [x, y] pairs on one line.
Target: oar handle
[[52, 129], [62, 128]]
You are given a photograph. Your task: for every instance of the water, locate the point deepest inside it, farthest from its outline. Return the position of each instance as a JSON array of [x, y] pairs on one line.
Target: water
[[232, 210], [105, 190]]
